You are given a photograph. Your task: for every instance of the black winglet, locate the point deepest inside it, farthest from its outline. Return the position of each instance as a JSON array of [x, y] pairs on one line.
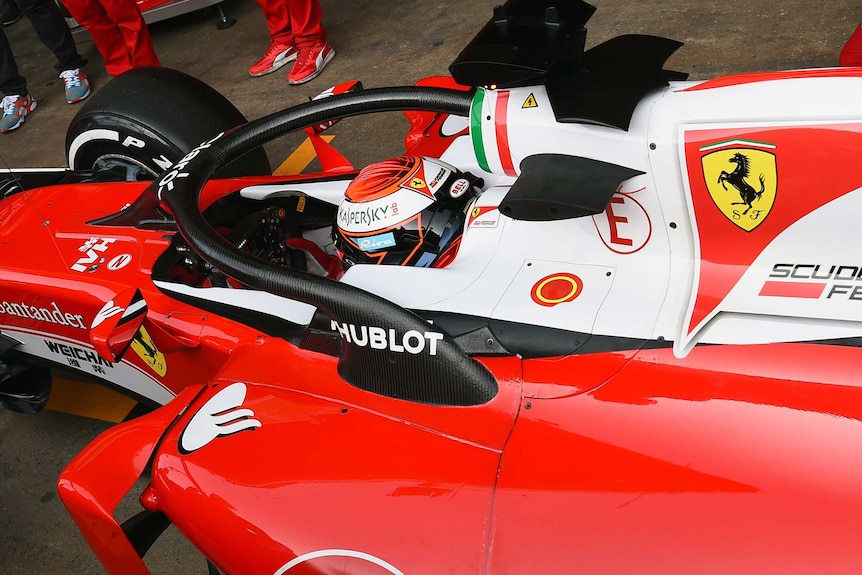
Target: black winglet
[[522, 42], [558, 187]]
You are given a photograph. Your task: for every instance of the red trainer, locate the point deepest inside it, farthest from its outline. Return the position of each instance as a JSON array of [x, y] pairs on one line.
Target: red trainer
[[277, 55], [310, 62]]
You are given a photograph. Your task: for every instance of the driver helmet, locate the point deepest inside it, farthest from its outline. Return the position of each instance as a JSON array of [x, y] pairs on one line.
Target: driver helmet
[[407, 211]]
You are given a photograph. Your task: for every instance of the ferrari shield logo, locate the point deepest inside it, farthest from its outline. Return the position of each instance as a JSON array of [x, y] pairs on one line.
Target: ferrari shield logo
[[743, 183], [145, 348]]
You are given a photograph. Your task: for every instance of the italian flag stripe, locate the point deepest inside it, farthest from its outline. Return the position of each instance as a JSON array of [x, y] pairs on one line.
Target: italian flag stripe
[[501, 115], [476, 129], [489, 131]]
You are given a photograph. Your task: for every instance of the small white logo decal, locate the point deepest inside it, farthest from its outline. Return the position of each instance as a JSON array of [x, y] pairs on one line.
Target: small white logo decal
[[361, 557], [119, 262], [458, 188], [412, 341], [219, 417], [92, 247], [108, 310]]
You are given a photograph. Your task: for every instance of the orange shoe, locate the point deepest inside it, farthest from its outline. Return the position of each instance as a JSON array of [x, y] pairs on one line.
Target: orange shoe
[[310, 62], [277, 55]]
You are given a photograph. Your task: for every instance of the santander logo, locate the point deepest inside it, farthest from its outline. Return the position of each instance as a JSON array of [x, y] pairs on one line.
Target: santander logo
[[220, 416]]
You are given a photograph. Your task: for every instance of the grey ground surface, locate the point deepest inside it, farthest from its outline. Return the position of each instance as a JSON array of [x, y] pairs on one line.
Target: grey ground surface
[[382, 43]]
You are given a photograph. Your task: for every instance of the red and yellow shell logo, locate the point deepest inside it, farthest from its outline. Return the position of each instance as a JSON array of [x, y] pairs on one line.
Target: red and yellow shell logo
[[556, 289]]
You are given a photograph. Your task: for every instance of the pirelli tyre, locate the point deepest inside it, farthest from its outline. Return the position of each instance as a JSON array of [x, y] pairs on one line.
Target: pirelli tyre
[[147, 119]]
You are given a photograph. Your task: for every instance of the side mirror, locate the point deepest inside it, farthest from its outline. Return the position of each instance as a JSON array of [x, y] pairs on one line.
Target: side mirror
[[331, 160], [343, 88], [116, 324]]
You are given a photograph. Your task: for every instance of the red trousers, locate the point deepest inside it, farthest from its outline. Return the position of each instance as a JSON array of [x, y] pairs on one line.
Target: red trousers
[[118, 31], [851, 53], [293, 22]]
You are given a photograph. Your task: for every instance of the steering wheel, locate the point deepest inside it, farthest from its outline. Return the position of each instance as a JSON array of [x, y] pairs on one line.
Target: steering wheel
[[400, 354]]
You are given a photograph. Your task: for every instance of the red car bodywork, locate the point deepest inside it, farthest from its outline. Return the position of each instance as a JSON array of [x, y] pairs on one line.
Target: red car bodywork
[[733, 458], [718, 463], [60, 303]]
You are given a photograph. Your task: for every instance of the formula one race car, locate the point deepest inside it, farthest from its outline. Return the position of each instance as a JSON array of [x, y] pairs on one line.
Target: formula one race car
[[596, 318]]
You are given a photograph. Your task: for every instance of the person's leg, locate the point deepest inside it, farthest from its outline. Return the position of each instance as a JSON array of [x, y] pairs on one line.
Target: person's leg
[[52, 30], [10, 12], [16, 102], [130, 22], [315, 51], [282, 47], [305, 19], [11, 82], [278, 21], [105, 34]]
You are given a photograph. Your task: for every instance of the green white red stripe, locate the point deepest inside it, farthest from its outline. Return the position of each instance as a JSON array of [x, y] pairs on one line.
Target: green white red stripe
[[737, 142], [476, 128], [489, 131]]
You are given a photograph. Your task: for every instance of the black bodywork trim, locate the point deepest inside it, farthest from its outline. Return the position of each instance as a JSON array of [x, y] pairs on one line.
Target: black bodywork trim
[[522, 43], [557, 187], [14, 181], [483, 337], [529, 42], [612, 78], [24, 388], [265, 323], [475, 334], [7, 342], [842, 342]]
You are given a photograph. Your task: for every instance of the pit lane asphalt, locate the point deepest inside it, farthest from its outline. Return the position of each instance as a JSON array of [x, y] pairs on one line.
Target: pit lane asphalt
[[382, 43]]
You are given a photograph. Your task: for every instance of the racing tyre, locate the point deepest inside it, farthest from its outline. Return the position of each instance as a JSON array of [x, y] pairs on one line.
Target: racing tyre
[[147, 119]]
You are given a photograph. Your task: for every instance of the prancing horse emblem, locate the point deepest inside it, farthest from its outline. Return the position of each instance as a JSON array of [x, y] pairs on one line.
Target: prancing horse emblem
[[737, 180], [741, 202]]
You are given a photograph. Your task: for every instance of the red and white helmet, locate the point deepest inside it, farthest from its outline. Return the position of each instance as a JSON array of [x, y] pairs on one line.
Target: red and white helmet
[[404, 211]]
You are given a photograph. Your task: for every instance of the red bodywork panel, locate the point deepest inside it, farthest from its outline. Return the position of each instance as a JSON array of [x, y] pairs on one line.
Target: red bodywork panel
[[81, 267], [662, 462], [737, 79], [722, 462], [92, 497]]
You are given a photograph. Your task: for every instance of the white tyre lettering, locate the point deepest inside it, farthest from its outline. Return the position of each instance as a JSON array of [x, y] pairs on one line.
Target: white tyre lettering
[[162, 162], [131, 141]]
